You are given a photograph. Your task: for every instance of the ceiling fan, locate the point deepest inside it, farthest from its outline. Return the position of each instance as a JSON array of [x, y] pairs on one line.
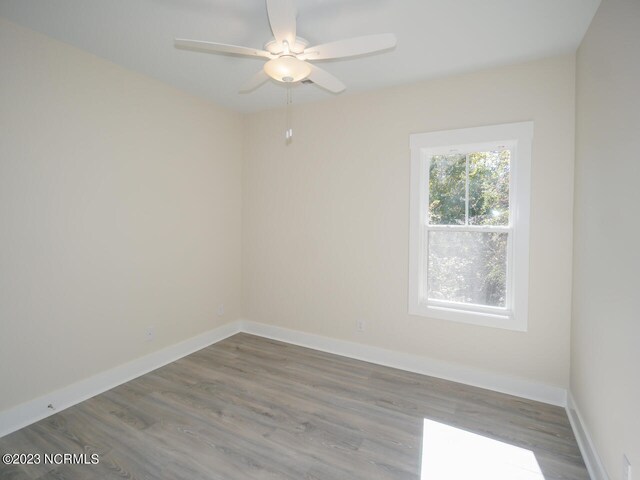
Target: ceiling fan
[[289, 56]]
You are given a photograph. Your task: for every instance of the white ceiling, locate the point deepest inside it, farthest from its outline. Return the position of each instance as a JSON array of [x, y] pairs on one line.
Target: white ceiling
[[435, 38]]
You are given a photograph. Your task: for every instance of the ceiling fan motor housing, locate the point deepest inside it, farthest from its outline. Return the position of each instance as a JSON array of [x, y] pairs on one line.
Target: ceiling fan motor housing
[[277, 48]]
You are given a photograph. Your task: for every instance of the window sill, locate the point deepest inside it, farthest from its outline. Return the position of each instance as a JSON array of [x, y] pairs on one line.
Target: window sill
[[508, 321]]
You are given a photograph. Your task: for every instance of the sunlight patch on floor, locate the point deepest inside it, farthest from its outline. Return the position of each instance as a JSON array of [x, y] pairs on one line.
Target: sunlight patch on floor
[[450, 453]]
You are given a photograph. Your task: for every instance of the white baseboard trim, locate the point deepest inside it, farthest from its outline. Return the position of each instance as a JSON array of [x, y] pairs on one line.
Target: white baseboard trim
[[29, 412], [414, 363], [587, 447], [34, 410]]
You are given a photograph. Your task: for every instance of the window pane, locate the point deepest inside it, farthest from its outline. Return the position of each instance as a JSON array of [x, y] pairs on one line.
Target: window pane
[[447, 189], [467, 267], [489, 188]]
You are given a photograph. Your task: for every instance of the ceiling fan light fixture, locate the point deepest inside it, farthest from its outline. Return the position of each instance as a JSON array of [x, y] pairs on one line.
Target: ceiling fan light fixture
[[287, 69]]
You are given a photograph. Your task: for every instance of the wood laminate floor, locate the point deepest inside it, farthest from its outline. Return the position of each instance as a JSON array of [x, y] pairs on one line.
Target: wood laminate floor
[[252, 408]]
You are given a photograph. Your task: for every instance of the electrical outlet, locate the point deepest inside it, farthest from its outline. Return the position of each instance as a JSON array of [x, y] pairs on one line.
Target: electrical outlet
[[626, 468], [360, 325], [150, 334], [221, 309]]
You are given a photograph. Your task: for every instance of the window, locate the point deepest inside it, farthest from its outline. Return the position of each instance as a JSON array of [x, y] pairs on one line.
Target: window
[[469, 245]]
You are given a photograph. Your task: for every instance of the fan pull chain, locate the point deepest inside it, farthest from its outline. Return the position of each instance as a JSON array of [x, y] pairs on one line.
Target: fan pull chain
[[288, 134]]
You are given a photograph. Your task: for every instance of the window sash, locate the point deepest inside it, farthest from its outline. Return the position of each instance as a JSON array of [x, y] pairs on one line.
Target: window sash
[[505, 311], [427, 156], [424, 299], [470, 228], [471, 307]]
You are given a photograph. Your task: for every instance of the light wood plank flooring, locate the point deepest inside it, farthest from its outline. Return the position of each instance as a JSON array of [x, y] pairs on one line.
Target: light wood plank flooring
[[252, 408]]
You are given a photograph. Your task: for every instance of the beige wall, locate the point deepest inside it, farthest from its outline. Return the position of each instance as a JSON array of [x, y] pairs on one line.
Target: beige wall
[[325, 220], [605, 361], [119, 209]]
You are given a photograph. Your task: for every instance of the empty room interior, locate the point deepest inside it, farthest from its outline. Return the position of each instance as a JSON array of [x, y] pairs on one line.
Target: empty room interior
[[319, 239]]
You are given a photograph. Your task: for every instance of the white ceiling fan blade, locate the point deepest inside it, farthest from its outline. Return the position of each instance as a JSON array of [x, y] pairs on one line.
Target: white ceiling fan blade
[[254, 82], [324, 79], [212, 47], [351, 47], [282, 18]]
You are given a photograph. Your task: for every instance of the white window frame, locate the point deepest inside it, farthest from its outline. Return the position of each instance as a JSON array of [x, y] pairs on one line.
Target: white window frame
[[517, 137]]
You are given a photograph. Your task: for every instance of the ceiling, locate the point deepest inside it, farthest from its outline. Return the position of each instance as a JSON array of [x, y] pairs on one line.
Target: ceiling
[[435, 38]]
